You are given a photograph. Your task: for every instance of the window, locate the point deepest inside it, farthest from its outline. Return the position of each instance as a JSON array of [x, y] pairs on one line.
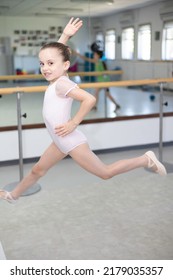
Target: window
[[127, 43], [144, 42], [167, 41], [110, 44]]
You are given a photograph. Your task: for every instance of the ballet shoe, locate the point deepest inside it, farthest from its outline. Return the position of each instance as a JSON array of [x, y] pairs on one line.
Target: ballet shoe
[[155, 164], [7, 196], [117, 107]]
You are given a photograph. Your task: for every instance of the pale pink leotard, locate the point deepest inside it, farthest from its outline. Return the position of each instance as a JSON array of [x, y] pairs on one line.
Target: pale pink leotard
[[57, 110]]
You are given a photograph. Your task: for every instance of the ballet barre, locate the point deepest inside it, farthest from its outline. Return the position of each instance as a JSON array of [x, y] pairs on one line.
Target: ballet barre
[[96, 73], [9, 187], [29, 89], [21, 77], [71, 74], [159, 81]]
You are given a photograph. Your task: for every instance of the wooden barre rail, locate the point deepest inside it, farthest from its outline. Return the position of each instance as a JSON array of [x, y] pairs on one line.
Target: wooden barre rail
[[126, 83], [96, 73], [71, 74], [21, 77]]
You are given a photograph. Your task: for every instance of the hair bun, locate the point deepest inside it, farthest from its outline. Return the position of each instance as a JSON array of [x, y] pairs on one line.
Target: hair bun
[[95, 47]]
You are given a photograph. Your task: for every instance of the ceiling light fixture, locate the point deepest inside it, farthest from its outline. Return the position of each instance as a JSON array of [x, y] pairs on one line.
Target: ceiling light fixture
[[109, 2], [4, 8], [64, 9], [48, 15], [94, 1]]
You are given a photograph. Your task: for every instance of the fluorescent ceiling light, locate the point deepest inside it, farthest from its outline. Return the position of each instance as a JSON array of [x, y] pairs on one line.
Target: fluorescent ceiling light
[[46, 14], [4, 8], [64, 9], [94, 1]]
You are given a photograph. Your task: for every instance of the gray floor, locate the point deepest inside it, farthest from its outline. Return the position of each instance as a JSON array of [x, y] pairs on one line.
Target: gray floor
[[78, 216]]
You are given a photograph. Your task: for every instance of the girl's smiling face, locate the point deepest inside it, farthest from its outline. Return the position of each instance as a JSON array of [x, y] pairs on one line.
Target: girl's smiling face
[[52, 64]]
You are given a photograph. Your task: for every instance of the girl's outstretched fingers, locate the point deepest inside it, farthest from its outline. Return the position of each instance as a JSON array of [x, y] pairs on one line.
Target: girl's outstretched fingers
[[77, 22]]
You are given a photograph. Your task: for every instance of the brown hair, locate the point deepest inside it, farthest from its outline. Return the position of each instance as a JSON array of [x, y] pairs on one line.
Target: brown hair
[[63, 49]]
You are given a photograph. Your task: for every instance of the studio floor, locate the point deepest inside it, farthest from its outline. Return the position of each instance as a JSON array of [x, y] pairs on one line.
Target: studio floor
[[77, 216]]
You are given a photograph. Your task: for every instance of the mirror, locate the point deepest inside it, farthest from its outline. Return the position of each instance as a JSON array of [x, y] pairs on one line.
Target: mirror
[[133, 101]]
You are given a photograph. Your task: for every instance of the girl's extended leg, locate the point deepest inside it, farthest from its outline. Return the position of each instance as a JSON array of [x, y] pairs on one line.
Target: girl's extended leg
[[89, 161], [51, 156]]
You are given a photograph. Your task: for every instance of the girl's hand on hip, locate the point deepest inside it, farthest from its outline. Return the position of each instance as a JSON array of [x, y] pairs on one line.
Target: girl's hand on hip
[[66, 128]]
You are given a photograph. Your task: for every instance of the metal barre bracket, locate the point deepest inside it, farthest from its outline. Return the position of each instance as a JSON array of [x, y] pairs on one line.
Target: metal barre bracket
[[36, 187], [168, 166]]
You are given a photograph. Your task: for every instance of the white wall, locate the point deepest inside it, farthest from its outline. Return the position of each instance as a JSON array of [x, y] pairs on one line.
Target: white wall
[[9, 24], [133, 69], [137, 69], [26, 57], [101, 136]]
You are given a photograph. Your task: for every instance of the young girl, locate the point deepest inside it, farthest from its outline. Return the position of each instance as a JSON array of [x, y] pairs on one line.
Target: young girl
[[67, 140], [100, 66]]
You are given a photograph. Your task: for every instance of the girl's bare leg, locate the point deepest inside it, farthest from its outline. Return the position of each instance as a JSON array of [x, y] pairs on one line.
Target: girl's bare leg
[[89, 161], [50, 157]]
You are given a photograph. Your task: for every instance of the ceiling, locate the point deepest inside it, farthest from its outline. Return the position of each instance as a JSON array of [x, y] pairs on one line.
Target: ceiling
[[68, 8]]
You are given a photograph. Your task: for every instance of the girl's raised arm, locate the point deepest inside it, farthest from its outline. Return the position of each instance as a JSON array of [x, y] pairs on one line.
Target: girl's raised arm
[[70, 30]]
